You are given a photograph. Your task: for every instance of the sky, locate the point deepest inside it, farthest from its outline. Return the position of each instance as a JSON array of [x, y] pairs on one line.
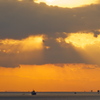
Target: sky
[[67, 3], [48, 45]]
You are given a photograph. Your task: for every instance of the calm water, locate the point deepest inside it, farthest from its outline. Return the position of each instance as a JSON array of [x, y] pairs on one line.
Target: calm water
[[49, 96]]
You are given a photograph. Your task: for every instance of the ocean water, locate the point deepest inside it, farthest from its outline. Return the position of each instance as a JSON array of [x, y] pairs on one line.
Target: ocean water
[[50, 96]]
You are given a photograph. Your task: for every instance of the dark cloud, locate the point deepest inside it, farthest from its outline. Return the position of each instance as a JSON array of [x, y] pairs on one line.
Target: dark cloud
[[8, 60], [57, 54], [21, 19]]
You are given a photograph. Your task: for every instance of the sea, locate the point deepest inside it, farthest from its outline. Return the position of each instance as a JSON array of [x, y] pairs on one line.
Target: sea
[[50, 96]]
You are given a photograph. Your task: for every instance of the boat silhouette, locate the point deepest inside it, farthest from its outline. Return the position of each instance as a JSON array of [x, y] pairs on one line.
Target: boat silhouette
[[33, 93]]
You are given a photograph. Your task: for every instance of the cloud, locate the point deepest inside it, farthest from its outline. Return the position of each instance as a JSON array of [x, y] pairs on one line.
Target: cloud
[[22, 22], [34, 51], [21, 19]]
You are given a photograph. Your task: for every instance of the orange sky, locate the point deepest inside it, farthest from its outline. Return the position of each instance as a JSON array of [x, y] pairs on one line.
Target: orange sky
[[70, 77], [49, 48]]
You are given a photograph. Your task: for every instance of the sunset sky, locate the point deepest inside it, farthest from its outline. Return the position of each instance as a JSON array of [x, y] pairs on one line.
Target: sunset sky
[[49, 45]]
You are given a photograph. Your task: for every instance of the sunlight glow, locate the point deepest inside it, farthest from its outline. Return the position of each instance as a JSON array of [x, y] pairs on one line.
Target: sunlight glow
[[67, 3], [82, 39], [27, 44], [32, 43], [20, 0], [49, 0]]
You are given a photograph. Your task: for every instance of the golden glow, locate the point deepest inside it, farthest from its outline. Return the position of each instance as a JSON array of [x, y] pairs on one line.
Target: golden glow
[[67, 3], [27, 44], [69, 77], [25, 0], [49, 0], [82, 39], [20, 0], [59, 39], [47, 47], [32, 43]]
